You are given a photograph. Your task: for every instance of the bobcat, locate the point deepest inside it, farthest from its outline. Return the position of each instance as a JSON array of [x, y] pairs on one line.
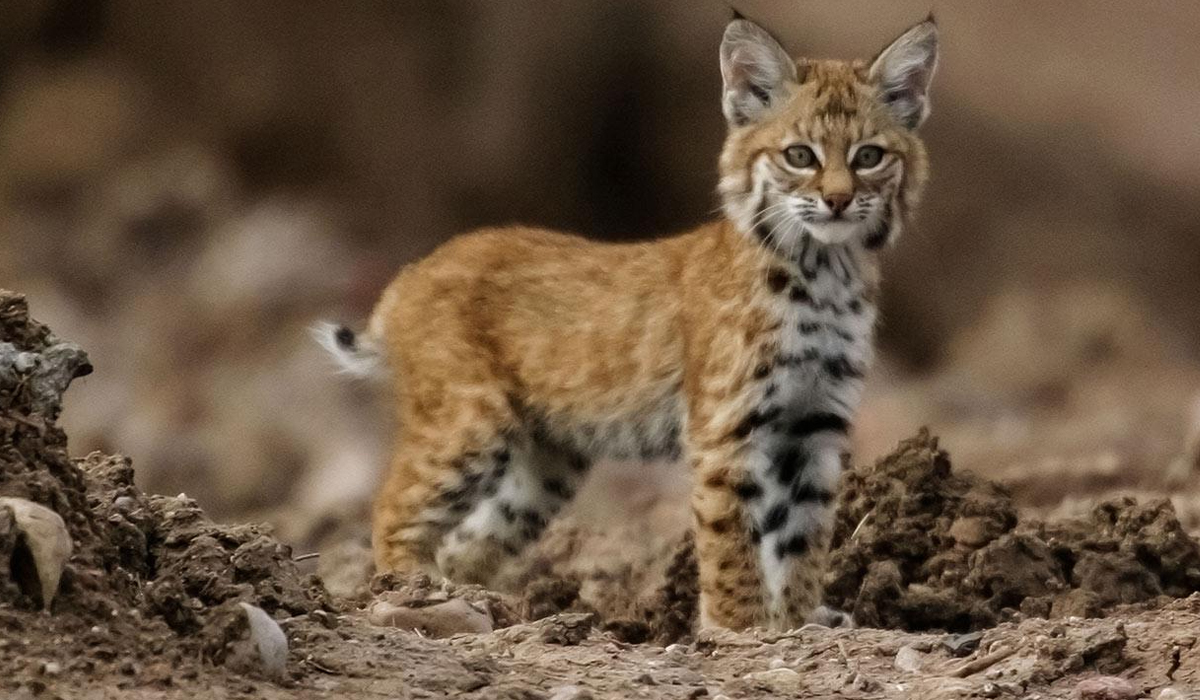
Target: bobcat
[[519, 355]]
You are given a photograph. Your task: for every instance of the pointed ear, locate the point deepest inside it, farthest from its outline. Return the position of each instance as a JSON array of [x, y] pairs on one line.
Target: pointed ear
[[754, 67], [904, 70]]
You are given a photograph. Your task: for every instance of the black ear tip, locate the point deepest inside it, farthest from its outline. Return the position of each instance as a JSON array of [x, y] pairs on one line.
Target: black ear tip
[[931, 19], [737, 14]]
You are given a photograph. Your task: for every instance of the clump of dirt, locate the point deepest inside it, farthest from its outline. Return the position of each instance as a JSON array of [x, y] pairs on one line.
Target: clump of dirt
[[152, 585], [650, 599], [663, 616], [917, 546]]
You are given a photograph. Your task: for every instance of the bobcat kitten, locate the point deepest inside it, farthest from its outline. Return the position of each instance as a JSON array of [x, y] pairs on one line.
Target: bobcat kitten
[[518, 355]]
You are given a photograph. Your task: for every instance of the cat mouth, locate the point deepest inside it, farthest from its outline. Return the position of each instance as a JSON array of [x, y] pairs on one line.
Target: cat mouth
[[835, 230]]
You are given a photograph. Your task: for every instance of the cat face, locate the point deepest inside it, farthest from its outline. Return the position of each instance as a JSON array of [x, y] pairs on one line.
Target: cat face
[[820, 148]]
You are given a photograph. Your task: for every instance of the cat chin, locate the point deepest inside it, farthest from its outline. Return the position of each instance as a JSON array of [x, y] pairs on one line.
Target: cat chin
[[836, 232]]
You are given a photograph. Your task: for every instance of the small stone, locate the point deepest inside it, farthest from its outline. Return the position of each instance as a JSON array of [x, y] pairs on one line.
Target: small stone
[[973, 531], [645, 679], [1106, 688], [676, 649], [570, 692], [908, 659], [325, 618], [962, 644], [46, 538], [775, 678], [776, 663], [51, 668], [1170, 694], [268, 639], [989, 690], [440, 620]]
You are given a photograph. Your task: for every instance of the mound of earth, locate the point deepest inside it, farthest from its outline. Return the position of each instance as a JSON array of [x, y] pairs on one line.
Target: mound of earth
[[918, 546], [152, 588]]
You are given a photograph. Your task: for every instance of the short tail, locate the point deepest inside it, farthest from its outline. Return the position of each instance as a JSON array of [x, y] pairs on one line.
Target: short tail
[[358, 356]]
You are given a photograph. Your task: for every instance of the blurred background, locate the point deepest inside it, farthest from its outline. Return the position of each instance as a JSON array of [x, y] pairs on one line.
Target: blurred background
[[186, 187]]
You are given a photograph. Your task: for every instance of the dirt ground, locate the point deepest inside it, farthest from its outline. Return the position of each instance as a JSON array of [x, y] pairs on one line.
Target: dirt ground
[[958, 592]]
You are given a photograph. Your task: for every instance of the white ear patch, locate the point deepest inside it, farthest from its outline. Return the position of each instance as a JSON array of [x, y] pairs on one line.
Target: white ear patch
[[904, 71]]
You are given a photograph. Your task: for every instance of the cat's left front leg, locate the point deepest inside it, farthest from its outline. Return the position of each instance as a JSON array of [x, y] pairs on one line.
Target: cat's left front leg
[[762, 507]]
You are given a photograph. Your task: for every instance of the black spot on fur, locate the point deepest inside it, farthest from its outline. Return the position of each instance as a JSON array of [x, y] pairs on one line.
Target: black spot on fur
[[775, 518], [761, 371], [747, 490], [818, 422], [503, 456], [799, 294], [840, 368], [778, 279], [755, 535], [344, 337], [807, 328], [807, 493], [557, 488], [507, 512], [757, 418], [532, 524], [795, 546], [532, 517], [788, 462], [809, 355], [856, 306], [879, 237]]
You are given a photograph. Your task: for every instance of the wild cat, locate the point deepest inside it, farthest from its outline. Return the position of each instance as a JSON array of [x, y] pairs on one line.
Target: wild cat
[[518, 356]]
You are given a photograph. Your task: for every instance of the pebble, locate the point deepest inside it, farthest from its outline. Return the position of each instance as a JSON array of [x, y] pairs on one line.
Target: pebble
[[1170, 694], [908, 659], [51, 668], [269, 640], [962, 644], [676, 649], [570, 692], [777, 663], [775, 677], [1106, 688]]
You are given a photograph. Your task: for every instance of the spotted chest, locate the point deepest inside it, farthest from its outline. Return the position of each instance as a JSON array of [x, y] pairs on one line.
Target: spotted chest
[[817, 358]]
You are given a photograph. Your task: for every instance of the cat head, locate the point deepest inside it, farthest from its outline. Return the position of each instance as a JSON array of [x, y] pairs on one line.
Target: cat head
[[823, 148]]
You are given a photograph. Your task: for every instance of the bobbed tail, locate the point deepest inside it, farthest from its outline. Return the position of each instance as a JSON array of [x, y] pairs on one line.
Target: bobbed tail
[[356, 355]]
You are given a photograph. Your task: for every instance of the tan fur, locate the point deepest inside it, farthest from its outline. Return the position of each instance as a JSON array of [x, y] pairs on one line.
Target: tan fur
[[504, 336]]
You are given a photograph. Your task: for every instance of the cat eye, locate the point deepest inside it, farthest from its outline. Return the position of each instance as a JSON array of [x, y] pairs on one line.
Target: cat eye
[[800, 156], [867, 157]]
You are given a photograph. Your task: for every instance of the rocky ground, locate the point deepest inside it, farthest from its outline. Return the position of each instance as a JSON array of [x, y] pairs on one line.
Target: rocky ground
[[957, 591]]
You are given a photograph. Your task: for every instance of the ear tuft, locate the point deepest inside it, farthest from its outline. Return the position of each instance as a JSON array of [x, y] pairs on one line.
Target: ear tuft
[[904, 71], [754, 68]]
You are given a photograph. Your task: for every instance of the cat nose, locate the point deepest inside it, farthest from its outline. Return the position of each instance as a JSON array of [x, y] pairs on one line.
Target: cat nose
[[838, 202]]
